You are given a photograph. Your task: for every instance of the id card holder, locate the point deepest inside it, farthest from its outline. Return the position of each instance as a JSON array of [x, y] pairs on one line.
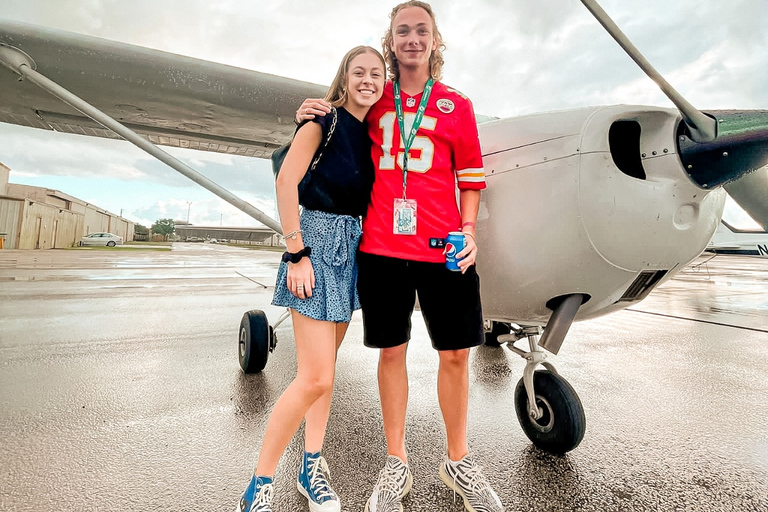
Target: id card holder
[[404, 222]]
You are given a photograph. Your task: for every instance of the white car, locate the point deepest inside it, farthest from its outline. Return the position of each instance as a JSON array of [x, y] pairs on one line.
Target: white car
[[107, 239]]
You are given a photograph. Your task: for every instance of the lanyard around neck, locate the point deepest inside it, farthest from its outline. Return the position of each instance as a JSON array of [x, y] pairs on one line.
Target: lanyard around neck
[[407, 141]]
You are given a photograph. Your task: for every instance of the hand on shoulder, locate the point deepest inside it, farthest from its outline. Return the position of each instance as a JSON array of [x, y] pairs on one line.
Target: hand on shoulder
[[312, 107]]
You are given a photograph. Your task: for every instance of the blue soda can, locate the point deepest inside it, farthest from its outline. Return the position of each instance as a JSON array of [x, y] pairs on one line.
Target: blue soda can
[[454, 244]]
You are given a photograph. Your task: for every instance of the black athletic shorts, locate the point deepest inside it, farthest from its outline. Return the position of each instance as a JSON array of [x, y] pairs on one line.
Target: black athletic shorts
[[449, 301]]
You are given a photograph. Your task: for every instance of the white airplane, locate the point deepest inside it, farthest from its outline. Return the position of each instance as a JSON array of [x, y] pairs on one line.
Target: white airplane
[[729, 240], [586, 211]]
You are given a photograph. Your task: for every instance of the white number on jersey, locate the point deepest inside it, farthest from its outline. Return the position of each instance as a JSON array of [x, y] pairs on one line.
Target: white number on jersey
[[388, 125]]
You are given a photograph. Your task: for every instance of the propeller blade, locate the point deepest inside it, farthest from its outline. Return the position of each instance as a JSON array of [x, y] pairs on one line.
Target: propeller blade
[[701, 127], [751, 193], [728, 148]]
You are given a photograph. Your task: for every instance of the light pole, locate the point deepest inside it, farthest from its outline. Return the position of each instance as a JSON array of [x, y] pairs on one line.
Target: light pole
[[189, 205]]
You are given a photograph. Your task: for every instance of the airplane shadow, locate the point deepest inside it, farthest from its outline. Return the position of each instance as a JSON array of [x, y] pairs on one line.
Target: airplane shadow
[[254, 394], [492, 366]]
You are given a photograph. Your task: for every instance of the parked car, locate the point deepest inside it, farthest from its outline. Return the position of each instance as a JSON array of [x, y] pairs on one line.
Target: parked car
[[108, 239]]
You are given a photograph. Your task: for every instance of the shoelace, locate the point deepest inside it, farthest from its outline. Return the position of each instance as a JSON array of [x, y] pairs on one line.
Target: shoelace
[[318, 481], [263, 499], [389, 480]]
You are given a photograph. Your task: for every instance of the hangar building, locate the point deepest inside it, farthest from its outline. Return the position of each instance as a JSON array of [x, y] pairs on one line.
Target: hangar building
[[43, 218]]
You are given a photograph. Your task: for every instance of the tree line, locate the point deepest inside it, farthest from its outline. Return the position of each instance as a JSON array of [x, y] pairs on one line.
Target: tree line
[[163, 227]]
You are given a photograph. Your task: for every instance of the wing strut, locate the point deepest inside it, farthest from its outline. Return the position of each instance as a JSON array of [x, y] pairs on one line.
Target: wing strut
[[21, 64]]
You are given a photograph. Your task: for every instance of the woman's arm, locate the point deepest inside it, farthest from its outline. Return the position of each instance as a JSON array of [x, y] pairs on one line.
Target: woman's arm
[[294, 167]]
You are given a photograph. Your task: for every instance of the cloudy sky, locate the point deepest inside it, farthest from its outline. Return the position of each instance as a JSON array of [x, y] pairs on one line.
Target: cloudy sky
[[511, 57]]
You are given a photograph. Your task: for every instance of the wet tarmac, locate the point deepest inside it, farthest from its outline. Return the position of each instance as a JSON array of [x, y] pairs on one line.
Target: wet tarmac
[[120, 391]]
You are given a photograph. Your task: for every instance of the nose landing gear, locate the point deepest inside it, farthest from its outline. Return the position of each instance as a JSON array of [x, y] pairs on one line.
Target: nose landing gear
[[548, 408]]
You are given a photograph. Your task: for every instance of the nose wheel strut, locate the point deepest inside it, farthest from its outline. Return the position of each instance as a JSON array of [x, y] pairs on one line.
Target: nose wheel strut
[[548, 409], [534, 357]]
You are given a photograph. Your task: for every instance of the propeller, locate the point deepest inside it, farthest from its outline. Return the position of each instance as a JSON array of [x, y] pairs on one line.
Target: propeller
[[719, 148]]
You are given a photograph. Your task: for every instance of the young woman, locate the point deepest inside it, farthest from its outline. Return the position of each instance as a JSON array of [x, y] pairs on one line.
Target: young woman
[[317, 279]]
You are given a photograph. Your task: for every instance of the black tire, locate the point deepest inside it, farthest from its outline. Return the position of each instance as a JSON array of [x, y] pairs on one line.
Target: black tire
[[562, 426], [253, 341], [110, 243], [497, 329]]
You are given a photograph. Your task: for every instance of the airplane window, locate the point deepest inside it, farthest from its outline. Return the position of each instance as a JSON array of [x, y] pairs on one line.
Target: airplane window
[[624, 139]]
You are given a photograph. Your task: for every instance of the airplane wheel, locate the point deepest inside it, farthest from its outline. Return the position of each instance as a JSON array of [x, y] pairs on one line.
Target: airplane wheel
[[254, 341], [561, 428], [497, 329]]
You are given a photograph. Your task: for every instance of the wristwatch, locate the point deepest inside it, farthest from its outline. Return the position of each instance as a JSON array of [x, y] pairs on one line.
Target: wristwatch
[[295, 257]]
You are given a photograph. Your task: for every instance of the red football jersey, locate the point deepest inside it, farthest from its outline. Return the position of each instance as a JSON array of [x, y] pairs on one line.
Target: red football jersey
[[445, 151]]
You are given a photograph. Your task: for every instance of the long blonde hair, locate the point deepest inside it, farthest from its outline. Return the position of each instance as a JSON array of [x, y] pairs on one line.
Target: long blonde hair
[[435, 59], [337, 93]]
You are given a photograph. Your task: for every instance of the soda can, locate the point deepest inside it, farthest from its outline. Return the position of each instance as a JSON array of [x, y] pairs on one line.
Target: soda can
[[454, 244]]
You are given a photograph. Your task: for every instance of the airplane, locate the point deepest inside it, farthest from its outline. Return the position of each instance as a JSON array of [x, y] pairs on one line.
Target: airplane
[[729, 240], [585, 213]]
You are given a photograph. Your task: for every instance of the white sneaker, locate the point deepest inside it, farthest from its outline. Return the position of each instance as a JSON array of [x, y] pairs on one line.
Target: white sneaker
[[395, 481], [466, 479]]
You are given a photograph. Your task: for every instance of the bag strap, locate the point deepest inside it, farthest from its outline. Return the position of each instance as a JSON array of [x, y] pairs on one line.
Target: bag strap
[[327, 139]]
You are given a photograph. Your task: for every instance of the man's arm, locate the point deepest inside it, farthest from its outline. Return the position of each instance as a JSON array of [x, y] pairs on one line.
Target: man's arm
[[469, 205], [312, 107]]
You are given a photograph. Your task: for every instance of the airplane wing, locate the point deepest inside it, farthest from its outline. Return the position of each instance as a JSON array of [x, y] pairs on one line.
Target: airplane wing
[[170, 99], [180, 101]]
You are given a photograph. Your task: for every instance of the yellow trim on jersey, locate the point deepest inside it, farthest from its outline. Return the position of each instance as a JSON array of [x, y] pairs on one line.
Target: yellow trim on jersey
[[473, 175]]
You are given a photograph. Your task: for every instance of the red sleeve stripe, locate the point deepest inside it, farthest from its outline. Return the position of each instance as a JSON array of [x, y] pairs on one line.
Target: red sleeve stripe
[[463, 185]]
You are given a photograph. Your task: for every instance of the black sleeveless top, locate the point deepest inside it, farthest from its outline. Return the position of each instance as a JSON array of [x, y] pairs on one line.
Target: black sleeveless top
[[342, 181]]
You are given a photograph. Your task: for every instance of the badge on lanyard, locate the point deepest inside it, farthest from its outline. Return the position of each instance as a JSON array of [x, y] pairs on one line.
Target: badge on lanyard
[[404, 219]]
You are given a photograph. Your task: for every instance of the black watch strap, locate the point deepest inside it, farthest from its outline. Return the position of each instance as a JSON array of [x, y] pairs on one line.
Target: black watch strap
[[295, 257]]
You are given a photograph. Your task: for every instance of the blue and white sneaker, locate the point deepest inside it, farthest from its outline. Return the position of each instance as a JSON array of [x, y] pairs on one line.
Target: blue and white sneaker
[[467, 480], [258, 496], [314, 485]]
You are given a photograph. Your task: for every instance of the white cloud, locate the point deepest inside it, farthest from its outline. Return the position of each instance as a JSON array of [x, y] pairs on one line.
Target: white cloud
[[510, 56]]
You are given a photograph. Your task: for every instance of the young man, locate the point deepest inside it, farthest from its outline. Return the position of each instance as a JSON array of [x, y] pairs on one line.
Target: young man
[[425, 141]]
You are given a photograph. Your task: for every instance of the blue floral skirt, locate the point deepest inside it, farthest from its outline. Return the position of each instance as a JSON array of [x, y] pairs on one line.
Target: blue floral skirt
[[334, 240]]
